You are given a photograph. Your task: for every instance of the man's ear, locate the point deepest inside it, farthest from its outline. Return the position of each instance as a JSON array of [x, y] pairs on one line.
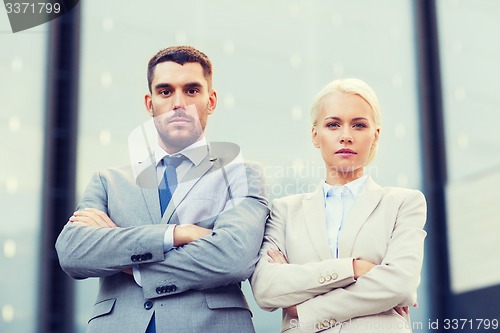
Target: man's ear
[[212, 102], [148, 102]]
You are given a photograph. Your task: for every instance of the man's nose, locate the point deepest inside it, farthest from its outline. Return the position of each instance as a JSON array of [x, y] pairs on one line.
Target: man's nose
[[179, 101]]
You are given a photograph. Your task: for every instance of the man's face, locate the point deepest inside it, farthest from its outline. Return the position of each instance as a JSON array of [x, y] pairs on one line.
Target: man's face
[[180, 102]]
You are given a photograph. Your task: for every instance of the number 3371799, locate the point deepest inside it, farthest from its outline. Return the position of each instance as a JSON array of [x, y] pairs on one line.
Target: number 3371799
[[462, 324], [32, 8]]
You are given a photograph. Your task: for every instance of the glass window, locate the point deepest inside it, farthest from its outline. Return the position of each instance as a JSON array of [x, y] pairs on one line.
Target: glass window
[[470, 71], [22, 88]]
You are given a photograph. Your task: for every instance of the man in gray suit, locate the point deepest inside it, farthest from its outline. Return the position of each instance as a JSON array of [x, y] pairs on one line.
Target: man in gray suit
[[172, 235]]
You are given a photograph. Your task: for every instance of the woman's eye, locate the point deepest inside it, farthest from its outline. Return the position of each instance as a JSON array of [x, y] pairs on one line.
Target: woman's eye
[[359, 125], [332, 125]]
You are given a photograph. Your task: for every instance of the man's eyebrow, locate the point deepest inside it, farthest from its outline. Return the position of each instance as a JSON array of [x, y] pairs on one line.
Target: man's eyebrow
[[162, 86], [193, 85], [188, 85]]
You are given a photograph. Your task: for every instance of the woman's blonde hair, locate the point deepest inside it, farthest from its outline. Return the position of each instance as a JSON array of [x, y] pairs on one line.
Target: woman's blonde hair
[[349, 86]]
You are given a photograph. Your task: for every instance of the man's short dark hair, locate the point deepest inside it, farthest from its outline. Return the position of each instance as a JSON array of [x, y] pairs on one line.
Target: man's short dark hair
[[180, 55]]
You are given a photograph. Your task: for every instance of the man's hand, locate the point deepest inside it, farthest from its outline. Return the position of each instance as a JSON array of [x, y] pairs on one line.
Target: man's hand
[[186, 233], [92, 217]]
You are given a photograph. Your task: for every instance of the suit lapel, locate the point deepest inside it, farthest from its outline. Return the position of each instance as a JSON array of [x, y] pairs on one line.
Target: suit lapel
[[314, 211], [148, 183], [366, 201]]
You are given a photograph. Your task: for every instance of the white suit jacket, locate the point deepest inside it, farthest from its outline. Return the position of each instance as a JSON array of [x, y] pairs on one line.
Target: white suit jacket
[[385, 226], [192, 288]]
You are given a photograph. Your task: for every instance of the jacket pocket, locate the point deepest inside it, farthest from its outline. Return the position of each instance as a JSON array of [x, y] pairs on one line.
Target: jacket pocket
[[226, 300], [102, 308]]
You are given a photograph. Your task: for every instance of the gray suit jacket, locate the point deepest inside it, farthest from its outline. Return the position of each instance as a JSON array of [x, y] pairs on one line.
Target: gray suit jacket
[[385, 226], [193, 288]]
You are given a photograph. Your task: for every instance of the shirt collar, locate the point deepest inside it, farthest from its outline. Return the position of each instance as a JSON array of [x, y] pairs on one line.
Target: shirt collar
[[194, 152], [354, 186]]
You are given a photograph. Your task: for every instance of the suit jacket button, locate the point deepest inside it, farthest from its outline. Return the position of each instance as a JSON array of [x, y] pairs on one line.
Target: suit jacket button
[[174, 288], [133, 258], [159, 290], [328, 277], [148, 305], [148, 256], [334, 276], [321, 279]]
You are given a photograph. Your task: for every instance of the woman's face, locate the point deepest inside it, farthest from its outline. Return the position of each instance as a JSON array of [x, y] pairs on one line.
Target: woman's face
[[346, 133]]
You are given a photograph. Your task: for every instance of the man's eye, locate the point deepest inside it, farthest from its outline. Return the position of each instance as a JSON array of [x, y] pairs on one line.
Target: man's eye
[[165, 92], [192, 91]]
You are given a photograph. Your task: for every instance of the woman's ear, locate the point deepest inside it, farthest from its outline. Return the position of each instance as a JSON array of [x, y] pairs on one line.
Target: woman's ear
[[377, 135], [314, 134]]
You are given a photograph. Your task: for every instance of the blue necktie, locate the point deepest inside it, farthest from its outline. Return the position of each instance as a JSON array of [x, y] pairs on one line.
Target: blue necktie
[[152, 325], [169, 181], [165, 191]]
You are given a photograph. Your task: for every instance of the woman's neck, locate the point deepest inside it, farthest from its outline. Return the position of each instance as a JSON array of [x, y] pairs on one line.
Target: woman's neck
[[338, 178]]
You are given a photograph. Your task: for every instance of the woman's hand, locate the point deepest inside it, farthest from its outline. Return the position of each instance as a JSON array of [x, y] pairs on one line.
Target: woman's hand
[[361, 267], [276, 257], [292, 311], [404, 310]]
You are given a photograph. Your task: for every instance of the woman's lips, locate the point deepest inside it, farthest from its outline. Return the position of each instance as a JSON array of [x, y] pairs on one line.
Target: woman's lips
[[345, 153]]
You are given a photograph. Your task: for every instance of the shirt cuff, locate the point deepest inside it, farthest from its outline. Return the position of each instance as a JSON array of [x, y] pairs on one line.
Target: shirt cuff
[[137, 275], [168, 238]]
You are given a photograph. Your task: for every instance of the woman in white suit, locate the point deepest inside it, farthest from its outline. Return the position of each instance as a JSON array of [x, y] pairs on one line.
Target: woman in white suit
[[347, 257]]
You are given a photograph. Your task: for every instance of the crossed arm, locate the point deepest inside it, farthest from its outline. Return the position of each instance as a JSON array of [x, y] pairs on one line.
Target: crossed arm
[[364, 290], [93, 245], [92, 217], [360, 268]]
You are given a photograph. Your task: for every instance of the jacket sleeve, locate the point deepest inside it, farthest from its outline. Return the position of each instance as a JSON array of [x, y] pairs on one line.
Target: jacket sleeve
[[387, 285], [98, 251], [283, 285], [229, 254]]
